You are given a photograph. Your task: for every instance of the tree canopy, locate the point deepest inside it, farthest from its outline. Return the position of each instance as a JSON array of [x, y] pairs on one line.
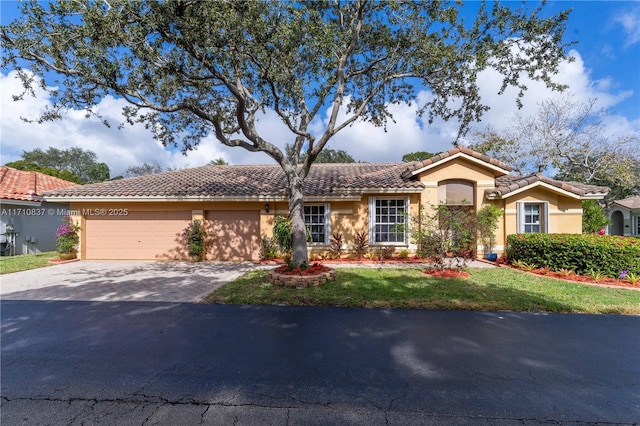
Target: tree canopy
[[33, 167], [189, 69], [73, 164], [568, 138], [418, 156]]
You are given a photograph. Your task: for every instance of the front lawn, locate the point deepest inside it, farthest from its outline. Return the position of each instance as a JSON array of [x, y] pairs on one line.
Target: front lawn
[[23, 262], [491, 289]]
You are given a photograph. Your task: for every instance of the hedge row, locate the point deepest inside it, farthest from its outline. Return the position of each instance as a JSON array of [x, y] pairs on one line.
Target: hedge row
[[606, 254]]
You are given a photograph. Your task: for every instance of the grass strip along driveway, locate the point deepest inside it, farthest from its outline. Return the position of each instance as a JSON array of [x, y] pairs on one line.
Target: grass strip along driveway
[[491, 289], [24, 262]]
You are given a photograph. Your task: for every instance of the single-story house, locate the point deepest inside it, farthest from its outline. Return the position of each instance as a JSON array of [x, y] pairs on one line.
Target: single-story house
[[624, 217], [143, 217], [28, 222]]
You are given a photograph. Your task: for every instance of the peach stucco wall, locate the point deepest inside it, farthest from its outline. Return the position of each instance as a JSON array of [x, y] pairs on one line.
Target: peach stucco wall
[[351, 216]]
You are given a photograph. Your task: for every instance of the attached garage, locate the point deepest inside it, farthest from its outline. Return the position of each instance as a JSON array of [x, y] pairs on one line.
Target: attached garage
[[138, 235], [233, 235]]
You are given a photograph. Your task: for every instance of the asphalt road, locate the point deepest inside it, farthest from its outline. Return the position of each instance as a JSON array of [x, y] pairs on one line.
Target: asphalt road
[[133, 363]]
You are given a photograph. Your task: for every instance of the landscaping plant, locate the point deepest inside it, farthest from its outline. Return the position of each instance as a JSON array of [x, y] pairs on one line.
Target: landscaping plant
[[445, 234], [67, 238], [606, 254], [194, 236]]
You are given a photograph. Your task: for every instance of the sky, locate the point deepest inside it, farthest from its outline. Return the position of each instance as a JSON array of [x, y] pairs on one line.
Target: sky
[[606, 67]]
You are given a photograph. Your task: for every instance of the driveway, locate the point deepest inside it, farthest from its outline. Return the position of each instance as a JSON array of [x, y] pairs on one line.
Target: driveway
[[121, 281]]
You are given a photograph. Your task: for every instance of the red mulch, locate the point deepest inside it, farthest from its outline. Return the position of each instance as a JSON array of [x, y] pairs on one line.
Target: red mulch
[[605, 282], [60, 261], [313, 269], [446, 273]]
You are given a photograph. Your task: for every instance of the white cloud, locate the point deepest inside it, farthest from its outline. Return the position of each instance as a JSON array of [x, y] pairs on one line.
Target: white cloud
[[135, 145], [630, 22]]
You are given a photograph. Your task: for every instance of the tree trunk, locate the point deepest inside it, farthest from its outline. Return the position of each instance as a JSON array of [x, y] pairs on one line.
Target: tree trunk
[[296, 213]]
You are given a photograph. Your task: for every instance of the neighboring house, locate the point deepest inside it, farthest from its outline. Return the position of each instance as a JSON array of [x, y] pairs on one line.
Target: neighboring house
[[143, 217], [624, 217], [28, 222]]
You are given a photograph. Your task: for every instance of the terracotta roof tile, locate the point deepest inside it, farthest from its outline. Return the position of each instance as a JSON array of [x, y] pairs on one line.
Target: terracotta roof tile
[[630, 203], [417, 165], [28, 186], [248, 181], [510, 183]]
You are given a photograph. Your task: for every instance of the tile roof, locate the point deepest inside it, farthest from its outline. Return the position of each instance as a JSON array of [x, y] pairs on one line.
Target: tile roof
[[417, 165], [510, 183], [28, 186], [630, 203], [250, 181]]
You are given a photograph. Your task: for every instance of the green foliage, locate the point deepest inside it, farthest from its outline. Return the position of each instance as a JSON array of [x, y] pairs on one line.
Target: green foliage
[[33, 167], [327, 155], [218, 162], [487, 289], [633, 278], [282, 230], [193, 69], [418, 156], [81, 163], [445, 234], [194, 236], [594, 217], [524, 265], [488, 218], [268, 249], [67, 237], [580, 253], [596, 275], [144, 169], [25, 262]]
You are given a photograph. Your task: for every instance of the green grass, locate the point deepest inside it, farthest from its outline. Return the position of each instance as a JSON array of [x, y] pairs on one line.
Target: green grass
[[24, 262], [494, 289]]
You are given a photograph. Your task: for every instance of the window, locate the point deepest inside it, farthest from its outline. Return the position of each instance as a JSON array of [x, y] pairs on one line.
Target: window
[[637, 227], [456, 192], [316, 219], [387, 219], [533, 217]]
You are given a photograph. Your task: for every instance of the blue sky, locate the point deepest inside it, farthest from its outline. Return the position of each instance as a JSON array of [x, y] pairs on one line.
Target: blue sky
[[607, 67]]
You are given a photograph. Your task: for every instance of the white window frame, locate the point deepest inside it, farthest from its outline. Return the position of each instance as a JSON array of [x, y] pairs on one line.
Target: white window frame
[[636, 226], [372, 222], [544, 216], [326, 223]]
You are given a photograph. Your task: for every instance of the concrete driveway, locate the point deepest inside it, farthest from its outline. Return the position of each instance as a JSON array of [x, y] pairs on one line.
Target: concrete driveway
[[121, 281]]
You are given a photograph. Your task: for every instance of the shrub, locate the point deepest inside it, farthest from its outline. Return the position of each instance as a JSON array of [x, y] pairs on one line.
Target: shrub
[[282, 231], [594, 218], [335, 250], [362, 244], [268, 249], [194, 238], [581, 253], [443, 230], [67, 238]]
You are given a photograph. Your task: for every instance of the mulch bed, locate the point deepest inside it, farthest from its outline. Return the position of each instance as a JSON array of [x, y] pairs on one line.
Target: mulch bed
[[446, 273], [605, 282], [61, 261], [313, 269]]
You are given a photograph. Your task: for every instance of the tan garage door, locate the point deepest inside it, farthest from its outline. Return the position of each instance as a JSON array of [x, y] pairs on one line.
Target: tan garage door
[[233, 235], [138, 235]]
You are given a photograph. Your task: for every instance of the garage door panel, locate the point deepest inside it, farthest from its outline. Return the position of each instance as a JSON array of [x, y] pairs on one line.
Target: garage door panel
[[139, 235], [233, 235]]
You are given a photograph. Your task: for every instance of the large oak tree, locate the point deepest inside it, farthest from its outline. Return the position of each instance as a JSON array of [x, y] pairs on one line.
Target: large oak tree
[[193, 68]]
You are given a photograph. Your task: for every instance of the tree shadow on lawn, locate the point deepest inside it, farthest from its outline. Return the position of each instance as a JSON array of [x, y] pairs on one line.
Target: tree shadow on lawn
[[440, 293]]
